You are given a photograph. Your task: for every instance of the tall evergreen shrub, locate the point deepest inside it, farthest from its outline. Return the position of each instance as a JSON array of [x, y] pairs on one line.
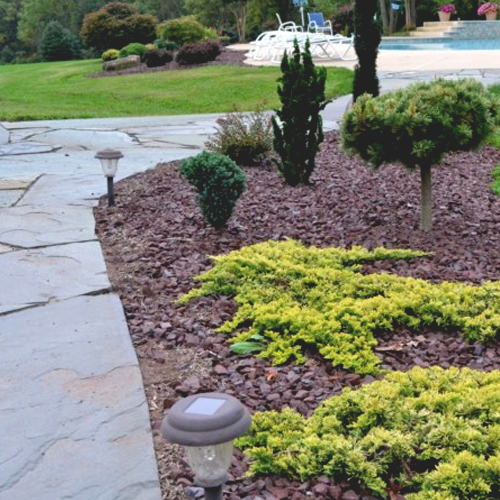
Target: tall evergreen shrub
[[298, 128], [367, 36]]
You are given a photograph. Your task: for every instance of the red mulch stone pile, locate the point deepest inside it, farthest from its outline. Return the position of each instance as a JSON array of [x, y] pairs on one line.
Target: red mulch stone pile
[[155, 241]]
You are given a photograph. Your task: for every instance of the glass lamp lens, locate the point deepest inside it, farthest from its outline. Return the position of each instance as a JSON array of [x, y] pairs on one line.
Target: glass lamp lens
[[210, 463], [109, 166]]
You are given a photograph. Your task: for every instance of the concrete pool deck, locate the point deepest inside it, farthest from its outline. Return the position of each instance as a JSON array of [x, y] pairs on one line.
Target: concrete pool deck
[[414, 60]]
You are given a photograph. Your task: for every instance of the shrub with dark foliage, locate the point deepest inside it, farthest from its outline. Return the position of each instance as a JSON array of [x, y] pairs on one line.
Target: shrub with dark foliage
[[343, 20], [116, 25], [219, 183], [59, 44], [157, 57], [198, 53]]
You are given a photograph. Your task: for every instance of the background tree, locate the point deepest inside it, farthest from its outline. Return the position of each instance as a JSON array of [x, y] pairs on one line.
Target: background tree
[[367, 36], [417, 126], [37, 14], [116, 25], [59, 44], [299, 131], [9, 17]]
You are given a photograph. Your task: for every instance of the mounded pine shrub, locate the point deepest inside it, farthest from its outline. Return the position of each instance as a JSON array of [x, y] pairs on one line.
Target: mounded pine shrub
[[218, 181], [418, 125]]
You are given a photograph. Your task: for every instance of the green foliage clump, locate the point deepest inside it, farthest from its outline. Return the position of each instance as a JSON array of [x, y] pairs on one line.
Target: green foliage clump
[[293, 296], [219, 183], [116, 25], [182, 30], [368, 34], [433, 432], [245, 137], [110, 55], [59, 44], [198, 53], [133, 49], [418, 125], [495, 185], [159, 43], [298, 128]]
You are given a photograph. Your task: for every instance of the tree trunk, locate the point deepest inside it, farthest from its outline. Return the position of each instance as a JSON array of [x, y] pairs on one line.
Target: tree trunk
[[426, 198], [384, 14], [240, 12], [411, 14]]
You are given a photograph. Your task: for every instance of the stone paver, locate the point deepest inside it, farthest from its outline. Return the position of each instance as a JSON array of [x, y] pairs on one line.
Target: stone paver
[[72, 409], [73, 413], [4, 135]]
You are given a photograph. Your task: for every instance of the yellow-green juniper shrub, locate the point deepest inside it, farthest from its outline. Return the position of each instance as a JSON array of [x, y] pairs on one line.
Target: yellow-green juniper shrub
[[293, 296], [434, 432]]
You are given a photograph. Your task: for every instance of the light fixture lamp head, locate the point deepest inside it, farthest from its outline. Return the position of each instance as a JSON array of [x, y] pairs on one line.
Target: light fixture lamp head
[[206, 424], [109, 160]]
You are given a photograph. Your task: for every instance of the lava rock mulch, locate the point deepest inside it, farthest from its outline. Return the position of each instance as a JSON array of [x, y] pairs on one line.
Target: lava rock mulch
[[155, 241]]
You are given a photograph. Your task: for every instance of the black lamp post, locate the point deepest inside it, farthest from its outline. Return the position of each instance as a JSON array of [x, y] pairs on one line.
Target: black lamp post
[[206, 424], [109, 162]]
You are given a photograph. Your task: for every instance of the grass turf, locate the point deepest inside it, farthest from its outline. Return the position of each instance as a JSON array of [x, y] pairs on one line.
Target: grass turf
[[64, 90]]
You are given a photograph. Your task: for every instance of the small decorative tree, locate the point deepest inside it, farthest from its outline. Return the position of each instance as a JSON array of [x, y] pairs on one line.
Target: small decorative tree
[[418, 125], [298, 130], [367, 36]]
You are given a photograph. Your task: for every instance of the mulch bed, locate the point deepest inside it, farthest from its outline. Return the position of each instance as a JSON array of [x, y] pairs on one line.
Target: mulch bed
[[227, 57], [155, 241]]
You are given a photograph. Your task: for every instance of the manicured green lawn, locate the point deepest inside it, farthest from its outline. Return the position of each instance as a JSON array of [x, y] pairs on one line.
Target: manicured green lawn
[[64, 90]]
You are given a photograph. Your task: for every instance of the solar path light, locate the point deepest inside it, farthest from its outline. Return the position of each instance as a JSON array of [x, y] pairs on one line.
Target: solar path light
[[109, 162], [206, 424]]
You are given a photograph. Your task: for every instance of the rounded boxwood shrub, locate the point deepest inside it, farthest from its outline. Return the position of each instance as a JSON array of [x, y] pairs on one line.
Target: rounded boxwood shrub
[[181, 30], [198, 53], [219, 183], [110, 55], [132, 49]]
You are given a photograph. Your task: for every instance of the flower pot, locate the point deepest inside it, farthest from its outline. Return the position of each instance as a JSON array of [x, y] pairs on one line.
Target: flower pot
[[491, 16], [444, 16]]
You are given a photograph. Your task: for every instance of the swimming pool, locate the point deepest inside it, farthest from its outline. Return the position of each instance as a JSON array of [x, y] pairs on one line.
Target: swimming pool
[[407, 43]]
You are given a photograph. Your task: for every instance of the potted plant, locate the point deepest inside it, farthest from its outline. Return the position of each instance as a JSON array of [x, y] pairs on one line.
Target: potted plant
[[445, 11], [488, 9]]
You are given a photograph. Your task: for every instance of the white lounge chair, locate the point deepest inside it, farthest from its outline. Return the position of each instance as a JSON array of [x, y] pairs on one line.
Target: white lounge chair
[[318, 25], [288, 25]]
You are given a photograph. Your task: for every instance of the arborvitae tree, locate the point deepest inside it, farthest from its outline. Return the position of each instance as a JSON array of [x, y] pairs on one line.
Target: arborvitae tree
[[298, 131], [59, 44], [418, 125], [367, 36]]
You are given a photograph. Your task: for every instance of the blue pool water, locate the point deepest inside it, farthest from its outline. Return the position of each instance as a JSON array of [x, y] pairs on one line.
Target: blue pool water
[[440, 44]]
